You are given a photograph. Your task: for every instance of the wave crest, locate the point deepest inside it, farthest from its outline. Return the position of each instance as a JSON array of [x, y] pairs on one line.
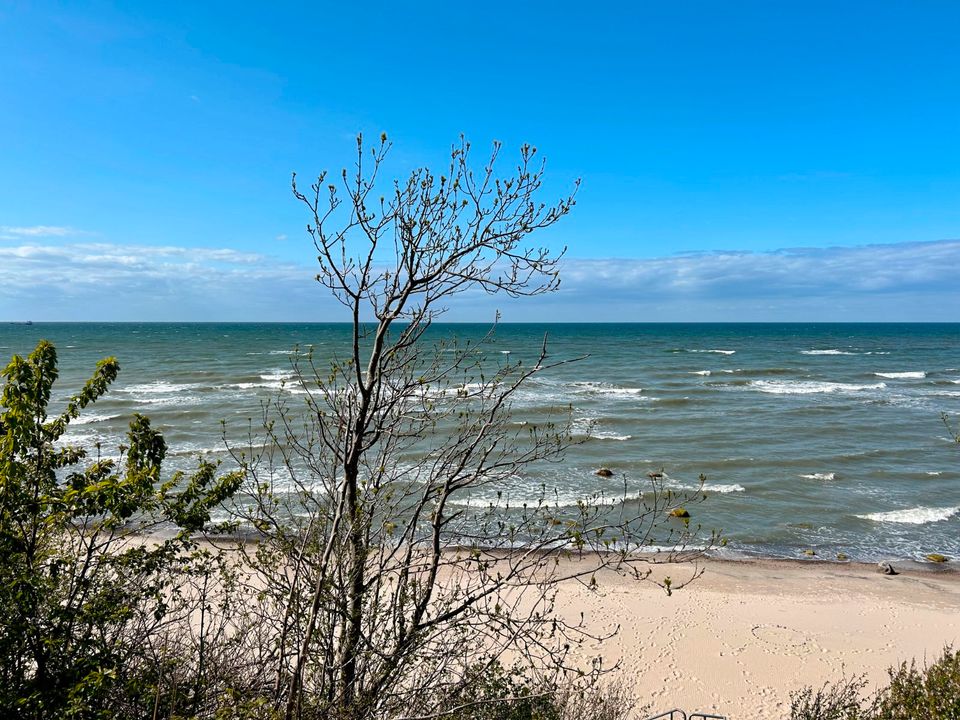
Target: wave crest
[[809, 387], [913, 516], [820, 476]]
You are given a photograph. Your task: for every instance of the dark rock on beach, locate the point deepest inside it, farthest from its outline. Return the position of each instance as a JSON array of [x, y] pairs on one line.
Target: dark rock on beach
[[886, 568]]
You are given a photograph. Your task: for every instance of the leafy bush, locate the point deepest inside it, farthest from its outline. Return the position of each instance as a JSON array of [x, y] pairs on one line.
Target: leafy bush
[[929, 694], [84, 597], [833, 701], [494, 693]]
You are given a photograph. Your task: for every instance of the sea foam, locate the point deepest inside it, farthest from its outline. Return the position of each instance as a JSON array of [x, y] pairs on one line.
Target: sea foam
[[820, 476], [809, 387], [606, 389], [547, 500], [723, 489], [913, 516], [609, 436], [911, 375], [89, 417], [158, 387]]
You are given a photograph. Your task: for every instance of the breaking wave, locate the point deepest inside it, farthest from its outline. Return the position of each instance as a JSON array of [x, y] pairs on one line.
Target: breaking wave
[[809, 387], [913, 516], [820, 476]]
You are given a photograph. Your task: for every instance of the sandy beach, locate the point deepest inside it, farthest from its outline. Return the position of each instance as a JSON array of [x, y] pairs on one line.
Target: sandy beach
[[739, 639]]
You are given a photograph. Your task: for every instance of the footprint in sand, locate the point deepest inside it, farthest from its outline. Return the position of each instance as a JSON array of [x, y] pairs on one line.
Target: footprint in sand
[[779, 635]]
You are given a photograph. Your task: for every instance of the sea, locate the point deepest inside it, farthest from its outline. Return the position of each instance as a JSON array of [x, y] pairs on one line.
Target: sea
[[822, 437]]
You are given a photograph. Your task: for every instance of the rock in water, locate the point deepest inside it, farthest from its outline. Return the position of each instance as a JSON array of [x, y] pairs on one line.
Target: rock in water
[[886, 568], [604, 472]]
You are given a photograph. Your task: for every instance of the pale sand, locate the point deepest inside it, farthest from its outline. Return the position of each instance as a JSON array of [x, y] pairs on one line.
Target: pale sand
[[743, 636]]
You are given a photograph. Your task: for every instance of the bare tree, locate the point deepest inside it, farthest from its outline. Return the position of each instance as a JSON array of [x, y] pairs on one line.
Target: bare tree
[[383, 587]]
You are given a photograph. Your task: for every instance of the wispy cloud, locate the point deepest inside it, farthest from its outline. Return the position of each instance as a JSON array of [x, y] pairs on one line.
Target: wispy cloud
[[104, 281], [783, 273], [10, 232], [915, 281]]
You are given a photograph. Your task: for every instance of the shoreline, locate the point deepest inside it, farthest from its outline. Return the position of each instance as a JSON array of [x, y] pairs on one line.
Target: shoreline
[[716, 556]]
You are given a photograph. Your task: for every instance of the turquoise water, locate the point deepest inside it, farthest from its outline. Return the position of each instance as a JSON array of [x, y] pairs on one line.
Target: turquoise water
[[811, 436]]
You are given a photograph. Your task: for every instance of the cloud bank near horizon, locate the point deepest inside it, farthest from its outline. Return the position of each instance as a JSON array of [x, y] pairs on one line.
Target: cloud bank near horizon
[[100, 281]]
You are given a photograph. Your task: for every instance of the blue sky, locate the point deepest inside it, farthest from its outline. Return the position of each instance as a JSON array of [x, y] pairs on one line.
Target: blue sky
[[739, 161]]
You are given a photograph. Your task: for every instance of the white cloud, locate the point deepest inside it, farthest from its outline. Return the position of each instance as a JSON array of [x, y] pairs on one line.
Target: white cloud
[[9, 232], [916, 281], [784, 273], [104, 281]]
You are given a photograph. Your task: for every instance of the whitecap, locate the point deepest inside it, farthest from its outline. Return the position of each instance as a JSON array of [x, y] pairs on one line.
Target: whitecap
[[809, 387], [707, 488], [252, 385], [598, 388], [913, 516], [826, 352], [609, 436], [505, 352], [90, 417], [820, 476], [175, 400], [587, 426], [548, 500], [718, 352], [934, 473], [278, 376], [734, 487], [701, 372], [910, 375], [158, 387], [193, 450]]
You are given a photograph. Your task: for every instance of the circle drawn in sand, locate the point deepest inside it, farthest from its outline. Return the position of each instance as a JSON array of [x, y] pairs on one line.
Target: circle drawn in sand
[[779, 635]]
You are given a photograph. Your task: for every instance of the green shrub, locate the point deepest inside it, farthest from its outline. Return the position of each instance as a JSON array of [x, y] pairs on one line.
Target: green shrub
[[496, 693], [929, 694], [84, 598], [833, 701]]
